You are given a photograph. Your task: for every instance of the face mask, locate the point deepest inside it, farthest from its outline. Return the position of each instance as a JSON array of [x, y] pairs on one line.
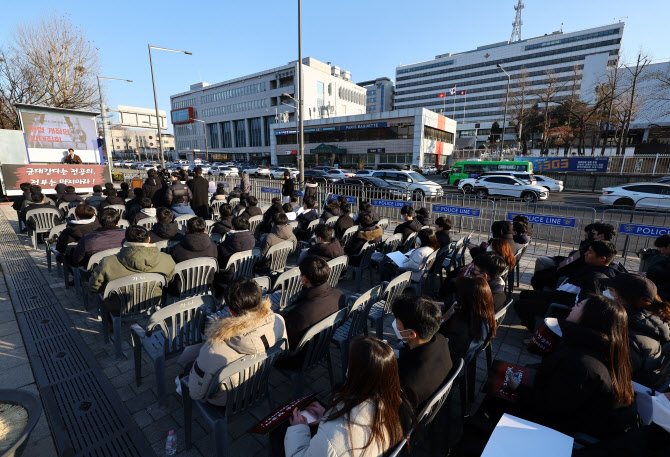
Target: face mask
[[397, 332], [608, 294], [418, 242]]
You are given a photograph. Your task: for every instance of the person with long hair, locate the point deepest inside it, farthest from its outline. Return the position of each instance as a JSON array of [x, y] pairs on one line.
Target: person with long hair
[[367, 416], [499, 229], [585, 384], [501, 247], [471, 319], [648, 322], [417, 259]]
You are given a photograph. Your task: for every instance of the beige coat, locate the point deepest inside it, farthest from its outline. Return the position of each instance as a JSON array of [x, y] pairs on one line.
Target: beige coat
[[229, 339], [332, 438]]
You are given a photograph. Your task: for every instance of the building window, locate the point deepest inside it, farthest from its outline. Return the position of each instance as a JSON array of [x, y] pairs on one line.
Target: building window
[[267, 121], [431, 133], [373, 107], [227, 135], [117, 140], [372, 92], [213, 135], [255, 132], [240, 134]]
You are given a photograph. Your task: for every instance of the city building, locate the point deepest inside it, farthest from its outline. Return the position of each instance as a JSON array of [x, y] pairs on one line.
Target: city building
[[236, 115], [411, 136], [470, 87], [379, 95], [139, 143]]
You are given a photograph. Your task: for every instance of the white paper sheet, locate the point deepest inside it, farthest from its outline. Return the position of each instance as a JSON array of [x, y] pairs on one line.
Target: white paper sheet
[[397, 257], [521, 438]]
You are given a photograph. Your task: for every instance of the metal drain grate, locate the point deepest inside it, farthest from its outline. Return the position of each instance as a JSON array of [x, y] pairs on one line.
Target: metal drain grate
[[42, 323], [59, 359], [34, 297]]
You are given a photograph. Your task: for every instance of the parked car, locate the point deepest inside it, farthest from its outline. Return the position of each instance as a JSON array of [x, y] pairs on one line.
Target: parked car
[[467, 184], [364, 172], [339, 173], [416, 183], [664, 180], [321, 168], [508, 186], [148, 166], [320, 176], [260, 170], [639, 195], [128, 164], [117, 163], [392, 166], [373, 188], [552, 185], [136, 165], [278, 172], [222, 171]]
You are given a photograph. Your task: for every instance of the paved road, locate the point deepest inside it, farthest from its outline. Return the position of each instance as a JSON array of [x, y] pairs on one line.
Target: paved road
[[571, 198]]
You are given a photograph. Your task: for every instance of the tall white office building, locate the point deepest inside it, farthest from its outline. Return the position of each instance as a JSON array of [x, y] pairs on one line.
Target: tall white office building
[[236, 114], [480, 86]]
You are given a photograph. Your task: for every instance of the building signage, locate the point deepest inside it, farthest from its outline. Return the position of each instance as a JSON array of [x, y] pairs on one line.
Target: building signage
[[373, 125], [327, 149], [541, 219], [81, 177], [457, 210], [390, 203], [585, 164], [286, 132], [270, 190], [643, 230], [377, 151]]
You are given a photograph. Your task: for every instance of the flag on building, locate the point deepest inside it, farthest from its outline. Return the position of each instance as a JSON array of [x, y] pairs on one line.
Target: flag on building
[[462, 92], [453, 91], [442, 95]]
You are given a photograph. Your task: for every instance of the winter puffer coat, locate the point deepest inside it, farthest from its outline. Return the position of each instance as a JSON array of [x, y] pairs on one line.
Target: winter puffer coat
[[194, 245], [152, 190], [364, 235], [229, 339], [647, 333], [163, 232], [279, 234], [177, 189]]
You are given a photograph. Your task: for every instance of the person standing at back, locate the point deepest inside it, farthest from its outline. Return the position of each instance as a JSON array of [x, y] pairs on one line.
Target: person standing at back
[[287, 188], [245, 185], [153, 188], [177, 189], [199, 187]]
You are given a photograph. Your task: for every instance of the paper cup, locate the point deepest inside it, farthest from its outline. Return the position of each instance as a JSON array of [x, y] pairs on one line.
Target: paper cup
[[547, 337]]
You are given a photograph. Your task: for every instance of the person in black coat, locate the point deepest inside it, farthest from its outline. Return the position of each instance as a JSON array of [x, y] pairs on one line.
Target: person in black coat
[[442, 229], [112, 199], [133, 205], [196, 243], [410, 225], [125, 191], [331, 210], [108, 236], [239, 239], [327, 247], [70, 196], [585, 384], [252, 208], [368, 232], [165, 229], [177, 189], [83, 224], [153, 188], [287, 187], [317, 300], [658, 266], [275, 208], [367, 208], [424, 361], [307, 215], [37, 201], [423, 217], [344, 222], [225, 223], [200, 190]]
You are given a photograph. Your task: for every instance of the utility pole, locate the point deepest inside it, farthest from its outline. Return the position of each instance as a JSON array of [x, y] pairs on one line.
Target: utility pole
[[301, 133]]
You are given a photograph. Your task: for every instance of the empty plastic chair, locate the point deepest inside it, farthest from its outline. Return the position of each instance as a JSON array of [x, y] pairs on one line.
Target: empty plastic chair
[[338, 265], [51, 240], [392, 290], [277, 256], [264, 282], [365, 257], [40, 221], [286, 289], [195, 277], [409, 244], [168, 332], [243, 263]]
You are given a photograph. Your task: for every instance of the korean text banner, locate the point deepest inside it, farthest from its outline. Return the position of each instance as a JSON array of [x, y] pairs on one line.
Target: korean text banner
[[82, 177], [584, 164]]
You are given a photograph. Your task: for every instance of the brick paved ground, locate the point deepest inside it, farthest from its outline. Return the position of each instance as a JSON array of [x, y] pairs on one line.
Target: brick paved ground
[[154, 420]]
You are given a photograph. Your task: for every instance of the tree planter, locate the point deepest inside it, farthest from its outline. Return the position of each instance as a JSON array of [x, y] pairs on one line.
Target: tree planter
[[32, 406]]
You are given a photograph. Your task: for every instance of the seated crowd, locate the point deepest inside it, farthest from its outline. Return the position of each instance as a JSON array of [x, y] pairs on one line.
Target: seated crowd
[[615, 324]]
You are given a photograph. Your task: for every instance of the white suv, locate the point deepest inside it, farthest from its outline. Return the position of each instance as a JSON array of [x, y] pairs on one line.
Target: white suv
[[639, 195], [278, 173], [260, 170], [413, 181], [507, 186]]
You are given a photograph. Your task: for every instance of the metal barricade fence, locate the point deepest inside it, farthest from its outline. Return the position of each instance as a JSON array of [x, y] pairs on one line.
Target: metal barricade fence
[[467, 214]]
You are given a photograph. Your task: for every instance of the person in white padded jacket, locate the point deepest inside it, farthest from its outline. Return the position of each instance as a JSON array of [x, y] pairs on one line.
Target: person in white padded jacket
[[415, 260]]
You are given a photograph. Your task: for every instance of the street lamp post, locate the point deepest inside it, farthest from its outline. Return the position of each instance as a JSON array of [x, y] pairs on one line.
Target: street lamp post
[[297, 112], [301, 132], [153, 83], [502, 137], [103, 114], [204, 129]]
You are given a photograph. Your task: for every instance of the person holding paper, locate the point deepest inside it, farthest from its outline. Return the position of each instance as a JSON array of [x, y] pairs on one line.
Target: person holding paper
[[585, 385], [415, 260], [72, 158]]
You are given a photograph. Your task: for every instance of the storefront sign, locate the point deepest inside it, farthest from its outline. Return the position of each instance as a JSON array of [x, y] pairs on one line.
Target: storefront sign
[[457, 210], [82, 177], [643, 230], [585, 164], [270, 190], [555, 221], [390, 203], [373, 125], [377, 151]]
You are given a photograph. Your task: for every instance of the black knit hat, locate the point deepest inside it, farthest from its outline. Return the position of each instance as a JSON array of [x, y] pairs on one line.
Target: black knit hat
[[638, 285]]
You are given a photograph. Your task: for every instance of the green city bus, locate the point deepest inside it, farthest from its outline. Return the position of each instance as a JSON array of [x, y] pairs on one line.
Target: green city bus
[[474, 168]]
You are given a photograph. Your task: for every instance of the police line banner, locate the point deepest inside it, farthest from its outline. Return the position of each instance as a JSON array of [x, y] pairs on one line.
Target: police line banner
[[652, 231], [389, 203], [335, 197], [457, 210], [542, 219], [270, 190]]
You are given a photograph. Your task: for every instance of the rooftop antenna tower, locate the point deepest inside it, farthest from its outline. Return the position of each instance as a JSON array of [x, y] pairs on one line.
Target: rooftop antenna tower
[[516, 30]]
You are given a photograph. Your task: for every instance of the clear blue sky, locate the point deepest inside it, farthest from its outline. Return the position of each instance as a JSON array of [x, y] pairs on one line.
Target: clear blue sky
[[370, 38]]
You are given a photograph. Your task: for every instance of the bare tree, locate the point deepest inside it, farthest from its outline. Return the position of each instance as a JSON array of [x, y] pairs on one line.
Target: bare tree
[[49, 62], [642, 62], [519, 107], [546, 96], [660, 95]]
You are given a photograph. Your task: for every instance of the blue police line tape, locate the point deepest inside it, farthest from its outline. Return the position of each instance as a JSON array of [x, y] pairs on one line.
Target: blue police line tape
[[270, 190], [541, 219], [335, 197], [651, 231], [456, 210], [389, 203]]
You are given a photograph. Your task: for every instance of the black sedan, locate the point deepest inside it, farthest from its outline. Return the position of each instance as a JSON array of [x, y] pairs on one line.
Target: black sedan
[[373, 188], [320, 177]]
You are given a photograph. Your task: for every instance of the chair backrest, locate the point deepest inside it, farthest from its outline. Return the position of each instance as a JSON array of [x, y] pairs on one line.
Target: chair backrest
[[63, 207], [147, 222], [215, 208], [315, 344], [391, 243], [359, 310], [435, 403], [331, 221], [183, 219], [98, 256], [429, 263], [194, 274], [312, 226], [121, 209], [210, 226], [409, 243], [278, 255], [337, 266], [290, 286], [500, 315], [72, 209], [243, 263], [246, 380], [395, 287], [162, 245], [55, 232], [44, 218], [366, 255], [216, 237], [264, 282], [348, 233], [124, 223], [234, 202], [293, 224], [181, 323], [136, 293], [254, 222], [383, 223]]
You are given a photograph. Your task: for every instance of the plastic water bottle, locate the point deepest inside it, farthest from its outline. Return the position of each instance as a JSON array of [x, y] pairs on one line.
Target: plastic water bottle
[[171, 444]]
